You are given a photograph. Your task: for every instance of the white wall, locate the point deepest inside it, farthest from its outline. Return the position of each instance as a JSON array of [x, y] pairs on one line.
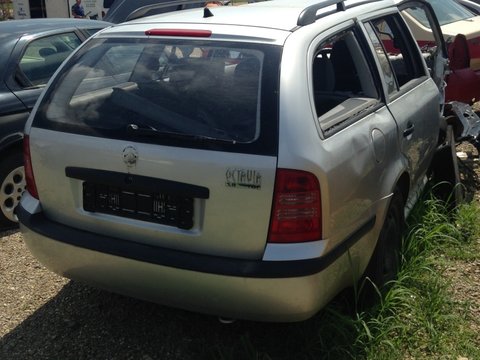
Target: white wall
[[57, 8], [21, 9], [61, 8]]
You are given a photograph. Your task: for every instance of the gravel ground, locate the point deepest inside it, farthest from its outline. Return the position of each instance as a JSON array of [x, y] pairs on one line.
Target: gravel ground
[[44, 316]]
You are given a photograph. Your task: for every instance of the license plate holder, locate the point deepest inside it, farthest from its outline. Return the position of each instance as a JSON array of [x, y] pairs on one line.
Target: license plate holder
[[151, 206]]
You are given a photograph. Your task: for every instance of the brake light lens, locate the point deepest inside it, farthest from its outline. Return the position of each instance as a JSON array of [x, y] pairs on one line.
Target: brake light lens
[[179, 32], [296, 214], [31, 186]]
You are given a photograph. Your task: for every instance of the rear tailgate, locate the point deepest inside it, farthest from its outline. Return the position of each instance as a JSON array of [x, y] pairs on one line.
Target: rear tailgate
[[164, 141], [231, 221]]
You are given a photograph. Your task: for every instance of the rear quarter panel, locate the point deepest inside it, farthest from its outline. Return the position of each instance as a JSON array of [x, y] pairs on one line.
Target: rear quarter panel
[[356, 181]]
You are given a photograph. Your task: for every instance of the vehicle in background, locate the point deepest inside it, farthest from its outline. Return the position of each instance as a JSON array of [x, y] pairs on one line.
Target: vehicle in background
[[124, 10], [454, 19], [30, 52], [472, 5]]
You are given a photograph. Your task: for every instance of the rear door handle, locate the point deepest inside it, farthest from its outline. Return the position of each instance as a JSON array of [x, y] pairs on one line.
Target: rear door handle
[[409, 130]]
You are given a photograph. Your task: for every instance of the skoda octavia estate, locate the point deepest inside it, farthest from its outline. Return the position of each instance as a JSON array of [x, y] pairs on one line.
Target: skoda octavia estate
[[242, 161]]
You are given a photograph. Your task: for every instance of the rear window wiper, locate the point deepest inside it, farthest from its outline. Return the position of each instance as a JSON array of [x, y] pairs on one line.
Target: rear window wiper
[[134, 129]]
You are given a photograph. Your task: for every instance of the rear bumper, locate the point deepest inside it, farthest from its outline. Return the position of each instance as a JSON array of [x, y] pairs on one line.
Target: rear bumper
[[236, 288]]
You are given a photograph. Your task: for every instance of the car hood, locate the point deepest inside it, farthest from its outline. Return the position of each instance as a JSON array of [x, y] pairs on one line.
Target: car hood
[[470, 28]]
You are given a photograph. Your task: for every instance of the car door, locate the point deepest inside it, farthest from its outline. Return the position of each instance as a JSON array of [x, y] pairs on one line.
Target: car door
[[414, 100], [433, 48]]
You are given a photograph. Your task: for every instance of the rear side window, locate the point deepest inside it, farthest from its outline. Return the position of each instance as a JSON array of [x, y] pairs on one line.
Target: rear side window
[[43, 56], [157, 89], [344, 88]]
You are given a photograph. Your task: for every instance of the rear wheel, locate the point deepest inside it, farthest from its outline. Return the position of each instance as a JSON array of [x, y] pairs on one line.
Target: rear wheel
[[385, 261], [12, 186]]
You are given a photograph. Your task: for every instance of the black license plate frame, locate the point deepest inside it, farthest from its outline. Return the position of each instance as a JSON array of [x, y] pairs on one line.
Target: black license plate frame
[[151, 206]]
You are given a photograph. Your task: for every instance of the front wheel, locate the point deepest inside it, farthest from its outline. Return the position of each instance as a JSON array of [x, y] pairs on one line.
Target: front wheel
[[12, 186]]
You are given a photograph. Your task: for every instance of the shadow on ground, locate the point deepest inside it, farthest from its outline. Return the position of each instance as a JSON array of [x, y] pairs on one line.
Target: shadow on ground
[[81, 322]]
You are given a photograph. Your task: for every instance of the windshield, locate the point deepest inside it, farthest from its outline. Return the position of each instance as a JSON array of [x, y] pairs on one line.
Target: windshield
[[446, 11], [158, 88]]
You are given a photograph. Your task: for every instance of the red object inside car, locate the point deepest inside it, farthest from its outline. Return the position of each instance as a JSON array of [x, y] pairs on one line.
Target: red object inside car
[[463, 83]]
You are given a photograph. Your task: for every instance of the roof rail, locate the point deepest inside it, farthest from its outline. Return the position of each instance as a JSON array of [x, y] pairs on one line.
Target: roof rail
[[142, 11], [309, 14]]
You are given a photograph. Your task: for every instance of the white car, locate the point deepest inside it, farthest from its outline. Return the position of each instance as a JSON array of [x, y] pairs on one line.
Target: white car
[[473, 6], [454, 19], [242, 161]]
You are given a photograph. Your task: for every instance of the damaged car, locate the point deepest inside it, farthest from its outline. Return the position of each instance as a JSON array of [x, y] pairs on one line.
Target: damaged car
[[245, 162]]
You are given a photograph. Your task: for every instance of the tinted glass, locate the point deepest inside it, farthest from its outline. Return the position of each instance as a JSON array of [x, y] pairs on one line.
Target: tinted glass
[[43, 56], [402, 53], [446, 11], [153, 89]]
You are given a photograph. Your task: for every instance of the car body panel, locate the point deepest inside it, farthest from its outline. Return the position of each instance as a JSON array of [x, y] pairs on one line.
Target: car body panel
[[215, 219], [269, 299]]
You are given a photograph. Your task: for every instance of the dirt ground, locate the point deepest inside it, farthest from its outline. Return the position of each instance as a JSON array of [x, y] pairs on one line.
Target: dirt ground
[[465, 275]]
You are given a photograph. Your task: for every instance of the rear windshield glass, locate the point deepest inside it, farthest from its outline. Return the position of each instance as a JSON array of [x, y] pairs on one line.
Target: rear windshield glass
[[187, 90]]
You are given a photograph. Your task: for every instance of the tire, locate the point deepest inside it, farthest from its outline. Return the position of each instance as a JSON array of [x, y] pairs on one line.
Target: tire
[[12, 186], [385, 262]]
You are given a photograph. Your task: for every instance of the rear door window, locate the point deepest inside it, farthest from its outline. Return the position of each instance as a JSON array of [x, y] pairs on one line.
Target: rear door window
[[391, 41]]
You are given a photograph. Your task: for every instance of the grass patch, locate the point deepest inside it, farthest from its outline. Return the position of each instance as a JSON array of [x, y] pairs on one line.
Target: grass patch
[[416, 319]]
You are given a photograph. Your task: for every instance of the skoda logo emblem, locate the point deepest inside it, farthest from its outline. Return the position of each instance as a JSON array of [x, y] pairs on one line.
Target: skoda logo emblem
[[130, 156]]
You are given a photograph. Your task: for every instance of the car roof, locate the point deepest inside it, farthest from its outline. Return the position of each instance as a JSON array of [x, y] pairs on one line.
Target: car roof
[[274, 14]]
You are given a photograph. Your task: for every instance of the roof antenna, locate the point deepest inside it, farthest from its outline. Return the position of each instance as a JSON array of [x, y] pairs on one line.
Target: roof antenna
[[207, 13]]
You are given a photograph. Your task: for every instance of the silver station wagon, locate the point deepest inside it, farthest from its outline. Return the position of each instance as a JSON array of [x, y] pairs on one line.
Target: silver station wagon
[[243, 161]]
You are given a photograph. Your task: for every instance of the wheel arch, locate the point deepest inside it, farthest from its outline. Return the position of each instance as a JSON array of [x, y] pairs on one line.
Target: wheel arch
[[403, 186], [12, 141]]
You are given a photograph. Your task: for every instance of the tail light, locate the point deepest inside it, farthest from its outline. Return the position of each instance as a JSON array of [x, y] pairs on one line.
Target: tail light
[[296, 214], [31, 187]]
